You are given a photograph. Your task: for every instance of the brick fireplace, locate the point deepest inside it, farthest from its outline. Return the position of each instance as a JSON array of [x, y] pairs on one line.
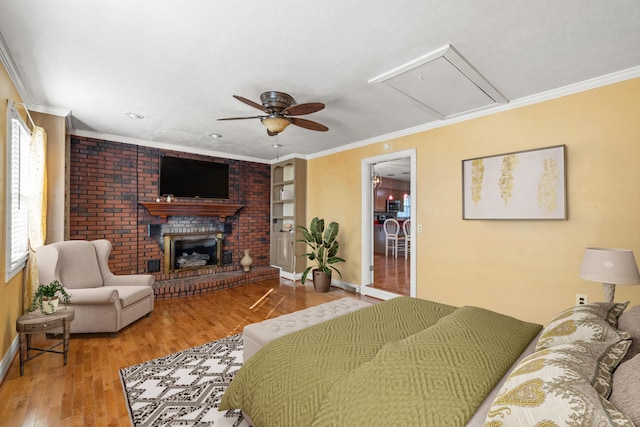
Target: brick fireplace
[[111, 184]]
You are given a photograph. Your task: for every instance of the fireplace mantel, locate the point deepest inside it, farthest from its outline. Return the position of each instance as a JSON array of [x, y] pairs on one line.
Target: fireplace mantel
[[166, 209]]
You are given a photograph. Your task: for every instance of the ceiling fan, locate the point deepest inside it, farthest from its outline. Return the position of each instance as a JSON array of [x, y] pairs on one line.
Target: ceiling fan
[[279, 109]]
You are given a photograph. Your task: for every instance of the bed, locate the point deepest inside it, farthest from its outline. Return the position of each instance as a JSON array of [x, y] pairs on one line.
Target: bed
[[410, 362]]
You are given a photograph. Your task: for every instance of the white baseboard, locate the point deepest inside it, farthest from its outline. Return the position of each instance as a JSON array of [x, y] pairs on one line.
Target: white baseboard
[[349, 287], [295, 277], [290, 276], [5, 363]]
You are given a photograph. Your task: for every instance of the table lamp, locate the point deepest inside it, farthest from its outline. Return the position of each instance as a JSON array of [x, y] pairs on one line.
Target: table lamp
[[610, 267]]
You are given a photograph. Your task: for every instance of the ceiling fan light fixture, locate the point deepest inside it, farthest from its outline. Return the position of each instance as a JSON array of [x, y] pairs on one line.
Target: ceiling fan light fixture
[[275, 124]]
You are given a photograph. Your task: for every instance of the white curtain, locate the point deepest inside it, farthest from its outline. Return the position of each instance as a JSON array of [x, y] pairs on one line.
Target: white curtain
[[37, 208]]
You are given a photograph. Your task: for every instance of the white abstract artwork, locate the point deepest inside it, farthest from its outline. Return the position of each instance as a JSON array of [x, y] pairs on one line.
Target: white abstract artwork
[[521, 185]]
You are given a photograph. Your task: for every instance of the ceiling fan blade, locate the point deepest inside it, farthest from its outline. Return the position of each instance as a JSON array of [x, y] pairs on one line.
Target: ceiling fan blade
[[302, 109], [308, 124], [249, 102], [242, 118]]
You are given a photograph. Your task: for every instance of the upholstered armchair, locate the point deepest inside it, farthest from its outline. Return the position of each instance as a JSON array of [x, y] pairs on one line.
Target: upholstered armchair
[[102, 301]]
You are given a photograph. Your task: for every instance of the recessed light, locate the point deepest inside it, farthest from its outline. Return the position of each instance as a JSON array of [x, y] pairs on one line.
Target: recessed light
[[215, 136], [276, 145], [134, 116]]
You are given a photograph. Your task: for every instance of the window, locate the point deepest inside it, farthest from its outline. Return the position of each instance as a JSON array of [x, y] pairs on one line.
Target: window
[[18, 192], [406, 205]]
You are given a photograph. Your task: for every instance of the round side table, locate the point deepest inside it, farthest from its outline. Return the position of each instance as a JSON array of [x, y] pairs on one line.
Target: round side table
[[36, 322]]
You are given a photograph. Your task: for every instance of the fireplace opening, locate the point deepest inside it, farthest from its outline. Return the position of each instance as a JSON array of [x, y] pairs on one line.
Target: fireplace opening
[[192, 251]]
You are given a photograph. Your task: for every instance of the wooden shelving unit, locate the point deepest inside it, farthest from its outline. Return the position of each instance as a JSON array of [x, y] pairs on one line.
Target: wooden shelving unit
[[288, 202]]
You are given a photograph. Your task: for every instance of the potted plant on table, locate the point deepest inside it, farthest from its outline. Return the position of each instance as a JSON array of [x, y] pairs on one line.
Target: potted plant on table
[[323, 250], [46, 297]]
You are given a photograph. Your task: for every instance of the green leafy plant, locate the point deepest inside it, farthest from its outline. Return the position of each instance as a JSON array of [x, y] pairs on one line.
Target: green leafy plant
[[323, 246], [45, 293]]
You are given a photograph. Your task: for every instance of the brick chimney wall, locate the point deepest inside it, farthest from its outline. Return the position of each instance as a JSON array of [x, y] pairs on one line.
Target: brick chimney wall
[[109, 179]]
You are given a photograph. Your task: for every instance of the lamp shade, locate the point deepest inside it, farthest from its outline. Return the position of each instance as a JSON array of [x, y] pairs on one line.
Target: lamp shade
[[606, 265]]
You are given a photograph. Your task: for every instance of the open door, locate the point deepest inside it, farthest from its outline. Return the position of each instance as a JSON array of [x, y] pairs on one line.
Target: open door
[[368, 226]]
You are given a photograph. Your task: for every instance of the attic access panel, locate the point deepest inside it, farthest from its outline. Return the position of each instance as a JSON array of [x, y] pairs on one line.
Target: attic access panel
[[444, 82]]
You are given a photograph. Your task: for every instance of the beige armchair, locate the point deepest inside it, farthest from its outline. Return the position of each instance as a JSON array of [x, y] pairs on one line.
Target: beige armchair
[[102, 301]]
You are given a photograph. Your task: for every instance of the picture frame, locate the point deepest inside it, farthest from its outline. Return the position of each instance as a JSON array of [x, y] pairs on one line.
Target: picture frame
[[529, 184]]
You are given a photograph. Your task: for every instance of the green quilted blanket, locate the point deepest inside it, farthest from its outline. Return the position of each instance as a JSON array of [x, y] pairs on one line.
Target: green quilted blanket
[[437, 377], [380, 366]]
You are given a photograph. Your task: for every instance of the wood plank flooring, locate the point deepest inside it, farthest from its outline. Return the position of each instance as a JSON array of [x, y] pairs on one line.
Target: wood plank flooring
[[391, 274], [88, 392]]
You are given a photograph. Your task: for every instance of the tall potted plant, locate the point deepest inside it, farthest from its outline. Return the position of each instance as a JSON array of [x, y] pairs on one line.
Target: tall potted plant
[[323, 249]]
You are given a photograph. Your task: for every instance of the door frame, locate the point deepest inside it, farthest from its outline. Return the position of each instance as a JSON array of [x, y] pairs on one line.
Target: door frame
[[367, 223]]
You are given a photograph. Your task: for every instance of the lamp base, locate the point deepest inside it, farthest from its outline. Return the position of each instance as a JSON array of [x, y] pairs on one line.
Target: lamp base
[[609, 291]]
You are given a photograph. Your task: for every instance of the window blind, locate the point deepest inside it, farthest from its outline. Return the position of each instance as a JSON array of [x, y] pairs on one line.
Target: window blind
[[18, 191]]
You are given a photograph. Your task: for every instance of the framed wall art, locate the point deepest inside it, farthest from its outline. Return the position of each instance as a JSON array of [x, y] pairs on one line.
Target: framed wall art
[[527, 184]]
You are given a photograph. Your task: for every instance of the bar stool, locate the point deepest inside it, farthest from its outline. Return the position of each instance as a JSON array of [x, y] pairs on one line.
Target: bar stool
[[406, 228], [393, 239]]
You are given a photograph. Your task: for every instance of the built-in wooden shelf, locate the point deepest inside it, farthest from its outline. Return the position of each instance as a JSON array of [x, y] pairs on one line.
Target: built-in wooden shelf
[[166, 209]]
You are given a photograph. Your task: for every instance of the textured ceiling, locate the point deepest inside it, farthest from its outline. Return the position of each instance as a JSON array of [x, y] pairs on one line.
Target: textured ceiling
[[179, 63]]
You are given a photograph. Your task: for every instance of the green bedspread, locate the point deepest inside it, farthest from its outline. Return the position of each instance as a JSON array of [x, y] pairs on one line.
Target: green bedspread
[[405, 361]]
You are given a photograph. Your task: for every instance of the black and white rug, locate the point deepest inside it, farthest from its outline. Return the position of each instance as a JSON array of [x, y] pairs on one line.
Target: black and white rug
[[185, 388]]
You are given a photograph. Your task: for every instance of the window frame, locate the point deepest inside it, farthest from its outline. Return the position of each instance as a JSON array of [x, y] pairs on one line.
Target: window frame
[[16, 258]]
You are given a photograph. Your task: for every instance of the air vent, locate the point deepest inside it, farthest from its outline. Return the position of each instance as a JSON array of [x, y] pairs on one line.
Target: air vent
[[444, 82]]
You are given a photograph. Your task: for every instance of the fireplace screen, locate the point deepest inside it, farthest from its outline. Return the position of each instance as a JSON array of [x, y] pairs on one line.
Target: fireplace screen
[[185, 251]]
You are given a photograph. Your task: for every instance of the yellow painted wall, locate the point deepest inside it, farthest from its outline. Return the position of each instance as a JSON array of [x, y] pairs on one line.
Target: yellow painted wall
[[55, 126], [528, 269], [11, 292]]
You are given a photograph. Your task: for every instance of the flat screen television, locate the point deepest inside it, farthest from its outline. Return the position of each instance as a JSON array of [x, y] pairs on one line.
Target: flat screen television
[[193, 178]]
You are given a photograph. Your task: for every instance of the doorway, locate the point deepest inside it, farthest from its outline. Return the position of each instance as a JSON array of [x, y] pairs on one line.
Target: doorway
[[407, 157]]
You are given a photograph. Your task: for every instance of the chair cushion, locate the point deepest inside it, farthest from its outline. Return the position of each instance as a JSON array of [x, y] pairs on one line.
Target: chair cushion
[[78, 265], [132, 294]]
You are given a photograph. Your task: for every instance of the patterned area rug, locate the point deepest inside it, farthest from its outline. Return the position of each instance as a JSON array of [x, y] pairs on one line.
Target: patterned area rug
[[185, 388]]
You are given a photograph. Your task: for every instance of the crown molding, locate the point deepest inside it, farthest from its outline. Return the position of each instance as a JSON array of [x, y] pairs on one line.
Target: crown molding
[[288, 157], [164, 146], [12, 70], [608, 79], [54, 111]]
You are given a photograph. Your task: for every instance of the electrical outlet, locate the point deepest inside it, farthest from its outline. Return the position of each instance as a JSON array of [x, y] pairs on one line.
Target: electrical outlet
[[582, 299], [419, 228]]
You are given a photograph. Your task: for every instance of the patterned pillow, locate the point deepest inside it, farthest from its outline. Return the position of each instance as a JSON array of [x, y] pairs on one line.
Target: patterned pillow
[[562, 385], [626, 389], [583, 323], [630, 322]]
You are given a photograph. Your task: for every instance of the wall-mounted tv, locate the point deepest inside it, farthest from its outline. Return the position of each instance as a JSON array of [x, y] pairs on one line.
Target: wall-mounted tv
[[193, 178]]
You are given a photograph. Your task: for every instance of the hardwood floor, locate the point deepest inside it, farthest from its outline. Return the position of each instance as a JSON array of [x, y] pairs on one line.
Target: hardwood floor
[[88, 392], [391, 274]]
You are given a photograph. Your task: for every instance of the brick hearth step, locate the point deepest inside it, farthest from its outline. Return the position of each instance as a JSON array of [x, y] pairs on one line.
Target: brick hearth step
[[197, 285]]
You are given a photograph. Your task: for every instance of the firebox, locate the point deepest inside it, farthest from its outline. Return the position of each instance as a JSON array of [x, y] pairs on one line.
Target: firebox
[[191, 251]]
